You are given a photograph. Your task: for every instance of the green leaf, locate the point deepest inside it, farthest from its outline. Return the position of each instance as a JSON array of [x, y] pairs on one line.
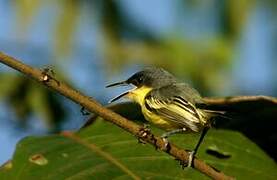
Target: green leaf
[[104, 151]]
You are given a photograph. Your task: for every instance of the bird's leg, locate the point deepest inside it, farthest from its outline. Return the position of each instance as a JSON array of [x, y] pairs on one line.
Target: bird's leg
[[170, 133], [193, 153]]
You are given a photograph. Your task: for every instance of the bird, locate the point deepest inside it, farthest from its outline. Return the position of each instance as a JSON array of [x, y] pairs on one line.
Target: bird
[[173, 106]]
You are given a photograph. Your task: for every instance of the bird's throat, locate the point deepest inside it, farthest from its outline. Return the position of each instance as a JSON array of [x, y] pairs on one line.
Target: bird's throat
[[139, 94]]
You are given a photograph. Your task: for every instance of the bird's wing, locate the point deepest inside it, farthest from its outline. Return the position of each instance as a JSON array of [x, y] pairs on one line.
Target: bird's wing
[[171, 104]]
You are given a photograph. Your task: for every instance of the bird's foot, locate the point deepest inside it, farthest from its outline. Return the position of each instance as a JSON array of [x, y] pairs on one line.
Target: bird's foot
[[143, 132], [189, 163], [191, 158], [166, 146]]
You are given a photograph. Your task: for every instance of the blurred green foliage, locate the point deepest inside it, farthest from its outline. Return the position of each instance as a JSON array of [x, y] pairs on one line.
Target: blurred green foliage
[[125, 42], [27, 98]]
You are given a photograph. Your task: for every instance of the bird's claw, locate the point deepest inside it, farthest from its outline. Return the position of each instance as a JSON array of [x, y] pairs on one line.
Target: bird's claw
[[166, 146], [191, 158], [143, 132], [189, 163]]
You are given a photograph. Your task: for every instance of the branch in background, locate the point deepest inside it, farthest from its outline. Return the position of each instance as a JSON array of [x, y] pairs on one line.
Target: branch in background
[[242, 104], [93, 106], [240, 99]]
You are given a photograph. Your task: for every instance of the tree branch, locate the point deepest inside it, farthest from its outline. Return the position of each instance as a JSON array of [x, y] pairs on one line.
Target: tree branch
[[240, 99], [95, 107]]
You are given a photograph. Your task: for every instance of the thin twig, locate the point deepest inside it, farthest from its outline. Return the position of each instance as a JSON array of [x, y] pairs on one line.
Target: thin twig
[[93, 106]]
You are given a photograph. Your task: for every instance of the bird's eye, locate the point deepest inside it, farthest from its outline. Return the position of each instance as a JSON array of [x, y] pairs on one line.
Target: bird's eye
[[140, 80], [137, 81]]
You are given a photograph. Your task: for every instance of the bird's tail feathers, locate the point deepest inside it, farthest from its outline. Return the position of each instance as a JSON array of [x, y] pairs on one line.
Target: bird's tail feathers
[[218, 113]]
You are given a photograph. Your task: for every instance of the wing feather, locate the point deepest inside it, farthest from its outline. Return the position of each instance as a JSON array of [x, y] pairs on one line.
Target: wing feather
[[175, 109]]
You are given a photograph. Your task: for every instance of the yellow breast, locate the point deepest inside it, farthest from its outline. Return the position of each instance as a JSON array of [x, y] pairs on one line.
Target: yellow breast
[[157, 120], [138, 95]]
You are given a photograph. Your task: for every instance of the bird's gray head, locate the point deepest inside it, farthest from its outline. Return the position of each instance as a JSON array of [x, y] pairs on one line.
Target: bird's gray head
[[149, 78]]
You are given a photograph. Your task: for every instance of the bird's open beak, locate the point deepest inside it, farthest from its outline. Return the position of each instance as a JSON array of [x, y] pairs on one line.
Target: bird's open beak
[[122, 83]]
